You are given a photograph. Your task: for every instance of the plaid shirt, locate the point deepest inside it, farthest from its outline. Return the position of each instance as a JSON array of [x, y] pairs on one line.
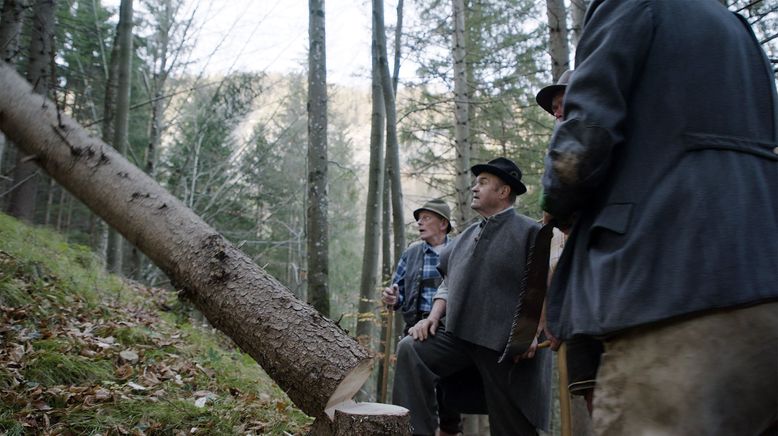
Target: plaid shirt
[[429, 271]]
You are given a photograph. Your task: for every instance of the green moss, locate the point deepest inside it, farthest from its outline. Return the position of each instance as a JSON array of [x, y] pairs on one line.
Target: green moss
[[50, 368]]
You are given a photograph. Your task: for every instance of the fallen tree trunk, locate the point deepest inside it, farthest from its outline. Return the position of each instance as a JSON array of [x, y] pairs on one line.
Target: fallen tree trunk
[[310, 357]]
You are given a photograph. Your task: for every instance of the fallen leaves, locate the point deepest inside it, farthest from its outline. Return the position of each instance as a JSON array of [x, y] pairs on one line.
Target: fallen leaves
[[151, 364]]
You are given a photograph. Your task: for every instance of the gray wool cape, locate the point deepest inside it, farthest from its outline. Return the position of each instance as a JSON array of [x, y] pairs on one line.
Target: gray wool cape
[[483, 269]]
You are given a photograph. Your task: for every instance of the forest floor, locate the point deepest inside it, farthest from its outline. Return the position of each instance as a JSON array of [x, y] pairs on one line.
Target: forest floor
[[85, 352]]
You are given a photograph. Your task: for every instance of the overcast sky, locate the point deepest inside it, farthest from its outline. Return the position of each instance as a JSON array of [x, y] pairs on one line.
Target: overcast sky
[[272, 36]]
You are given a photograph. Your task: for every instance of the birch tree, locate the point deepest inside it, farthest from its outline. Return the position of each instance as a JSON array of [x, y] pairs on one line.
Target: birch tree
[[317, 236]]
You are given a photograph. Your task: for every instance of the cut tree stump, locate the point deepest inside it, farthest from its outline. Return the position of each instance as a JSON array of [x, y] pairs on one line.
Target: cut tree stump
[[350, 418]]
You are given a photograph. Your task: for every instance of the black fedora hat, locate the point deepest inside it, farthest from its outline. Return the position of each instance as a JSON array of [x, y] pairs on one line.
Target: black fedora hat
[[546, 95], [505, 169]]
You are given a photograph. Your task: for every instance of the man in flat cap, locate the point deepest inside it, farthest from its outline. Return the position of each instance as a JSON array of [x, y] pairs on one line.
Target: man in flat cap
[[482, 271], [416, 279]]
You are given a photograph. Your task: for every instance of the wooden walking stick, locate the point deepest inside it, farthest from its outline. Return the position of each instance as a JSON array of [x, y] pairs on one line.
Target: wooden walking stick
[[383, 393], [564, 394]]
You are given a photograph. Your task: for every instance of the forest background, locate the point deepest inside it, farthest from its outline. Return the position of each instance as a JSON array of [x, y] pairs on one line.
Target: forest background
[[218, 108]]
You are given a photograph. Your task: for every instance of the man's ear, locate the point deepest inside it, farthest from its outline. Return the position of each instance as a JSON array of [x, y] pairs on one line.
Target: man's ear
[[505, 190]]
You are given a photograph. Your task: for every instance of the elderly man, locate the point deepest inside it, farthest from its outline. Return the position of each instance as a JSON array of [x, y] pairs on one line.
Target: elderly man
[[415, 281], [482, 271], [668, 161], [416, 278]]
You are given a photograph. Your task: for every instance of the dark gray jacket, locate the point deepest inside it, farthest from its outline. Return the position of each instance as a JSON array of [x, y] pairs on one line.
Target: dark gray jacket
[[483, 269], [669, 157]]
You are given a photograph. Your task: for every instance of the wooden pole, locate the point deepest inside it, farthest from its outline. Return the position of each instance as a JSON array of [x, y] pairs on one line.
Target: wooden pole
[[383, 394], [564, 393]]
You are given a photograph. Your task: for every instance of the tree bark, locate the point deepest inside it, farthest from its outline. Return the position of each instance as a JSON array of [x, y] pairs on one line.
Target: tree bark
[[557, 26], [23, 197], [369, 280], [398, 32], [462, 144], [10, 32], [317, 237], [577, 12], [310, 357], [10, 29], [392, 143], [122, 120], [385, 314]]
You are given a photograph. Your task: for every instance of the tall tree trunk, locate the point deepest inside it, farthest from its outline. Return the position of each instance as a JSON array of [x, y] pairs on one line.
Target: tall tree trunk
[[392, 143], [317, 238], [557, 27], [49, 203], [122, 120], [462, 144], [100, 230], [3, 147], [398, 32], [10, 33], [10, 29], [369, 280], [23, 197], [388, 261], [312, 359], [577, 12], [156, 95]]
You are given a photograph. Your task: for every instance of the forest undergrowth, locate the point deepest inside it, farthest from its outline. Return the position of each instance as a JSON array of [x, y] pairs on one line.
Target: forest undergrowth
[[85, 352]]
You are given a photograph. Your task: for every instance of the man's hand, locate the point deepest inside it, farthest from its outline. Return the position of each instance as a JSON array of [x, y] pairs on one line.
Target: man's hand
[[530, 353], [555, 342], [424, 329], [389, 296]]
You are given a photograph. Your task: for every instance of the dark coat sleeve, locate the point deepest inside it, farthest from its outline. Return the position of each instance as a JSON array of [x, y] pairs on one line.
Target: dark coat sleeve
[[609, 60]]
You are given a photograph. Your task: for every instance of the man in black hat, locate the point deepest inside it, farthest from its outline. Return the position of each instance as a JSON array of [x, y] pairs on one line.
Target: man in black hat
[[482, 270], [415, 281], [550, 97]]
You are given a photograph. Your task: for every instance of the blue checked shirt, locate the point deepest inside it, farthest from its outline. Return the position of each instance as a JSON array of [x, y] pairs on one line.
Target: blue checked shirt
[[429, 271]]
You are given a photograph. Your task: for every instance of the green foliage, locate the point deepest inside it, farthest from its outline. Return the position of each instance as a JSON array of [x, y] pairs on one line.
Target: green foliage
[[507, 64]]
